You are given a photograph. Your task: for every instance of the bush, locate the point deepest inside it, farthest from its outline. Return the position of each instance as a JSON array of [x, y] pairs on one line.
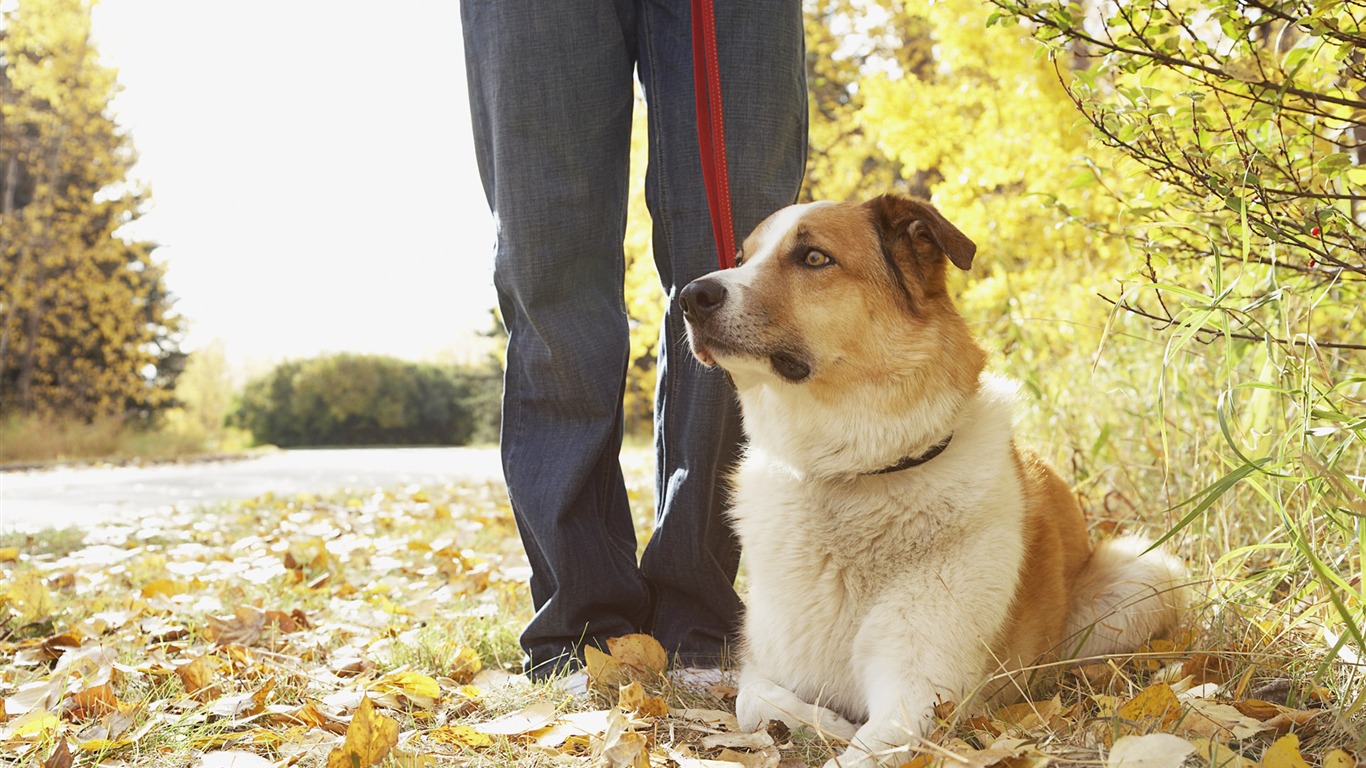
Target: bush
[[369, 400]]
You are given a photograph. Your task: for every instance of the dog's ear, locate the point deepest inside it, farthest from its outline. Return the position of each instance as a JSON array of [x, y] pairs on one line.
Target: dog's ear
[[929, 232]]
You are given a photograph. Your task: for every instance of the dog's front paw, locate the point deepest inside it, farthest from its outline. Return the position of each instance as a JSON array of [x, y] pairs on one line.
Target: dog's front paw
[[878, 743], [760, 701]]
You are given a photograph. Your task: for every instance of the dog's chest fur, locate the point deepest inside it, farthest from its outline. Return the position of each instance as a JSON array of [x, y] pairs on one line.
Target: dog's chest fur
[[823, 553]]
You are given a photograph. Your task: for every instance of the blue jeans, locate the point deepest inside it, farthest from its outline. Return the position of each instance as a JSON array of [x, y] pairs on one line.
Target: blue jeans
[[551, 91]]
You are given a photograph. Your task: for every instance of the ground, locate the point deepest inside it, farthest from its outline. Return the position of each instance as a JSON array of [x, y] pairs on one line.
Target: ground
[[380, 628]]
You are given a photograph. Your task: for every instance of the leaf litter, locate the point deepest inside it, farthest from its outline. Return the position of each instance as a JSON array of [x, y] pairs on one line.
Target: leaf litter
[[378, 629]]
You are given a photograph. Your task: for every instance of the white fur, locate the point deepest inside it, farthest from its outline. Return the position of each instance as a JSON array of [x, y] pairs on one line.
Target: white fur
[[874, 596], [868, 595], [1125, 596]]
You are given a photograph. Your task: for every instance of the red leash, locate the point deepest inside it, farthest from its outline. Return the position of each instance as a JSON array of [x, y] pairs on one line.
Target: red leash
[[711, 129]]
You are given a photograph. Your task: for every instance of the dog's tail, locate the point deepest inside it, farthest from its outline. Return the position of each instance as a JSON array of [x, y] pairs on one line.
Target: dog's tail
[[1123, 597]]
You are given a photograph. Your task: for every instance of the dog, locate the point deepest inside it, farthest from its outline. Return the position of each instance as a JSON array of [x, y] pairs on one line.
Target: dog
[[901, 550]]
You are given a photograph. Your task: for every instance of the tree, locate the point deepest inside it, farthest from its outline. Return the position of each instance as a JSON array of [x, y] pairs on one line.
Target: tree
[[369, 400], [1245, 124], [86, 328]]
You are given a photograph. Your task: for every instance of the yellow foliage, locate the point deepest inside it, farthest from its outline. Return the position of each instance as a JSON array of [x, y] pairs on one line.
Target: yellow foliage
[[644, 297], [84, 317]]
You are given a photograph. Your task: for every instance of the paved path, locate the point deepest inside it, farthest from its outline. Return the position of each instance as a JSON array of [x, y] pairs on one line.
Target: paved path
[[73, 497]]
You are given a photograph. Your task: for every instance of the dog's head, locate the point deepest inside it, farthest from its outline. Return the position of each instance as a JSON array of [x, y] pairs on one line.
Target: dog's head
[[826, 296]]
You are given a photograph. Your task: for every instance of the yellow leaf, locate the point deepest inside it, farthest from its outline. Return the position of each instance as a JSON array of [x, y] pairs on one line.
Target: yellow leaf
[[1339, 758], [416, 687], [37, 724], [369, 738], [197, 677], [1284, 753], [465, 665], [101, 745], [640, 651], [603, 669], [9, 554], [461, 736], [163, 588], [633, 698], [1156, 702], [29, 596]]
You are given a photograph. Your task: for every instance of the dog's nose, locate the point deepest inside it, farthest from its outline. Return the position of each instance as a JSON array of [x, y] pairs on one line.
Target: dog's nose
[[701, 298]]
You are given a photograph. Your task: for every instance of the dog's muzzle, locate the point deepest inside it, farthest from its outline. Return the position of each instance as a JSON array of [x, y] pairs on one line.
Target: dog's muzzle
[[701, 302], [701, 298]]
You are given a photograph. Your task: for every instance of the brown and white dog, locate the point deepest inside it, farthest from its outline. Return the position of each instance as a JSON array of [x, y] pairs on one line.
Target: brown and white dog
[[901, 549]]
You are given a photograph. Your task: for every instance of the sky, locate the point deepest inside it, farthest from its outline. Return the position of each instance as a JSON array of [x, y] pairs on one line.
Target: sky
[[312, 170]]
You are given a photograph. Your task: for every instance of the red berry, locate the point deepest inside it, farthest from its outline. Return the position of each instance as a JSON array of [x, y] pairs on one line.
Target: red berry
[[1315, 231]]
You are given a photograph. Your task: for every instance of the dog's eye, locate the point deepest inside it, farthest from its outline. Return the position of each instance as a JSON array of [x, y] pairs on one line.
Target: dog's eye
[[739, 258], [816, 259]]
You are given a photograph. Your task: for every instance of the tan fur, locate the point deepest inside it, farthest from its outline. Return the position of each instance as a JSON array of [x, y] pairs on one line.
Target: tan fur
[[875, 594]]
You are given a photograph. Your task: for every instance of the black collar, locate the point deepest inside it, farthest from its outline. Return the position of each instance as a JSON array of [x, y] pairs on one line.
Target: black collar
[[915, 461]]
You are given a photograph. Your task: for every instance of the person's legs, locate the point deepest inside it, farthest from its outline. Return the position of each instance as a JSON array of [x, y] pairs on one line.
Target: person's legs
[[691, 560], [551, 97]]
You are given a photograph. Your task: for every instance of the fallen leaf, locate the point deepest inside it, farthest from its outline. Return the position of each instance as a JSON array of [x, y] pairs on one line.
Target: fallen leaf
[[1293, 718], [1205, 668], [755, 741], [766, 759], [1156, 702], [576, 724], [29, 597], [164, 588], [1155, 750], [37, 724], [9, 554], [368, 739], [619, 746], [494, 679], [242, 628], [60, 757], [244, 705], [1028, 715], [1004, 752], [713, 719], [415, 687], [633, 698], [602, 669], [522, 721], [91, 702], [1339, 758], [1257, 709], [1284, 753], [37, 695], [465, 666], [640, 651], [197, 677], [461, 736], [233, 759], [1220, 721]]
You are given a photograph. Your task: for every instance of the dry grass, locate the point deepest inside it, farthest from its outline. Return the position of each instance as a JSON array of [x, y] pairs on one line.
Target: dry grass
[[310, 603], [35, 441]]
